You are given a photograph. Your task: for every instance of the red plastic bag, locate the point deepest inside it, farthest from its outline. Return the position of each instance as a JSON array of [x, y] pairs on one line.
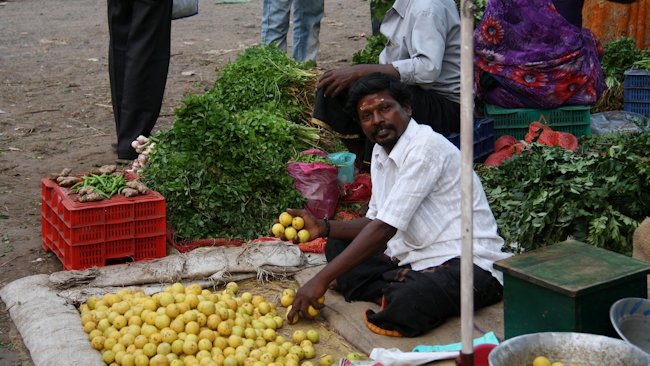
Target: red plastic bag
[[539, 131], [504, 141], [358, 191], [567, 141], [317, 183], [314, 246], [496, 158]]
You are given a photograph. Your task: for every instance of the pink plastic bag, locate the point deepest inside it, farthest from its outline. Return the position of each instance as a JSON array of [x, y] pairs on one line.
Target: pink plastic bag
[[316, 182]]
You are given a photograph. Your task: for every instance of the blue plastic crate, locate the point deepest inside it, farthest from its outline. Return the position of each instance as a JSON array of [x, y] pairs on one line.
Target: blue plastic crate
[[483, 139], [636, 91], [637, 78]]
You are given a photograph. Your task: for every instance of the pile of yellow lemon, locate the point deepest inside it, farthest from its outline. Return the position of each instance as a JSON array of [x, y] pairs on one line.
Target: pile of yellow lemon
[[291, 227], [192, 326]]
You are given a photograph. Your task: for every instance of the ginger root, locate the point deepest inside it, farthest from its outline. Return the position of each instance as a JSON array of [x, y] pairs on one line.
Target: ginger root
[[105, 169], [90, 197], [68, 181], [138, 186], [64, 173], [89, 194], [86, 190], [130, 192]]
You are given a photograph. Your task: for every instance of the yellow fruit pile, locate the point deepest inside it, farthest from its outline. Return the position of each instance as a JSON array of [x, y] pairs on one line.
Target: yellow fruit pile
[[291, 227], [311, 336], [191, 326]]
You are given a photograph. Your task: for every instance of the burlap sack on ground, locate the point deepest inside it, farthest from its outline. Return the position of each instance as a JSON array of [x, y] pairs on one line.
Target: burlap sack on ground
[[50, 326], [216, 264], [43, 308]]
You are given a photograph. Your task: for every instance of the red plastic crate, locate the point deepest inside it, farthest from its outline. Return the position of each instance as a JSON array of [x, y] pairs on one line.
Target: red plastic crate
[[150, 248], [84, 235]]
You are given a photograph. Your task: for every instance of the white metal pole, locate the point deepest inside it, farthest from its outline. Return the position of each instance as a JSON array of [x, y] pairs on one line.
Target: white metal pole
[[467, 165]]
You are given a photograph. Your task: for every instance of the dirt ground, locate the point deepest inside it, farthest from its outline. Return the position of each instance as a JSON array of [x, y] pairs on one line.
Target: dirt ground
[[55, 107]]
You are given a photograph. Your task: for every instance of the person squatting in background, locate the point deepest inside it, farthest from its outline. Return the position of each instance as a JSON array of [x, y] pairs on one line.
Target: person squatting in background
[[423, 51]]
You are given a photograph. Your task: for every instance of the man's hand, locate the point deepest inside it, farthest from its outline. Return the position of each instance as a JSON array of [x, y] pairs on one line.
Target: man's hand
[[340, 80], [308, 295], [313, 225], [336, 81], [372, 239]]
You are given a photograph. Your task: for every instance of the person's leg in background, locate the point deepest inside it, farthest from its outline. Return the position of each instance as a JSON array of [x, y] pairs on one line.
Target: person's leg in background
[[119, 24], [330, 113], [141, 65], [307, 15], [375, 24], [275, 22], [432, 109]]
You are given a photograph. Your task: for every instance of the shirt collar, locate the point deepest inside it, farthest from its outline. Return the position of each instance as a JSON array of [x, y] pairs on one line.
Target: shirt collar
[[398, 151], [400, 7]]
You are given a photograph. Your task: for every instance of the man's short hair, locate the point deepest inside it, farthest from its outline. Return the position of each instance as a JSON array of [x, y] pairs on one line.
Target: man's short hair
[[374, 83]]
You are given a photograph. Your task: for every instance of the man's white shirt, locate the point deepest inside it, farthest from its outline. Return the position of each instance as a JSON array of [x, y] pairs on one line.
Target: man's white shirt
[[416, 189]]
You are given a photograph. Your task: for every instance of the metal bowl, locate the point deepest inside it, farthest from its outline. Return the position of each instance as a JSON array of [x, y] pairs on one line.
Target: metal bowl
[[567, 347], [631, 319]]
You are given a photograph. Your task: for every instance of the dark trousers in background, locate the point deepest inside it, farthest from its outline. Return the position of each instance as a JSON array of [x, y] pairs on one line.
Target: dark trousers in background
[[138, 62], [414, 302], [571, 10]]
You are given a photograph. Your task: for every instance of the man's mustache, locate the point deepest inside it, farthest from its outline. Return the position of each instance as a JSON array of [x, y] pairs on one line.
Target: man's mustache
[[376, 130]]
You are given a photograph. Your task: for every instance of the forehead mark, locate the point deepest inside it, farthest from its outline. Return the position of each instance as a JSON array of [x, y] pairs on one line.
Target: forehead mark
[[370, 103]]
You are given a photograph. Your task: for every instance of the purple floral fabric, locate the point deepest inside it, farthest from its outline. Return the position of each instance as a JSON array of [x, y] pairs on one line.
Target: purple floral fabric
[[527, 55]]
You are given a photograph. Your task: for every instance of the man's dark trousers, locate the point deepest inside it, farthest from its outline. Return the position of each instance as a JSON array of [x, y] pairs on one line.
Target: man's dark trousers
[[138, 62]]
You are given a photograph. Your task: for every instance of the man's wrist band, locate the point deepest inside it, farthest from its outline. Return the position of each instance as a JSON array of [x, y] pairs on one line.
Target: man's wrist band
[[326, 233]]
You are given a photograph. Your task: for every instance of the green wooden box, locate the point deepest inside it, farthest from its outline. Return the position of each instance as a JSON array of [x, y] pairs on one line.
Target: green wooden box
[[567, 287]]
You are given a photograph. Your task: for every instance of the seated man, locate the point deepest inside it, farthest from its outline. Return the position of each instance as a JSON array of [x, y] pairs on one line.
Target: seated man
[[405, 254], [423, 51]]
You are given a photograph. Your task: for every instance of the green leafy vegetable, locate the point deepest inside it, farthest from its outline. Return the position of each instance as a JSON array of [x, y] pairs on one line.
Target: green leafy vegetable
[[222, 165], [310, 158], [370, 53], [548, 194], [619, 56], [265, 77], [643, 63]]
